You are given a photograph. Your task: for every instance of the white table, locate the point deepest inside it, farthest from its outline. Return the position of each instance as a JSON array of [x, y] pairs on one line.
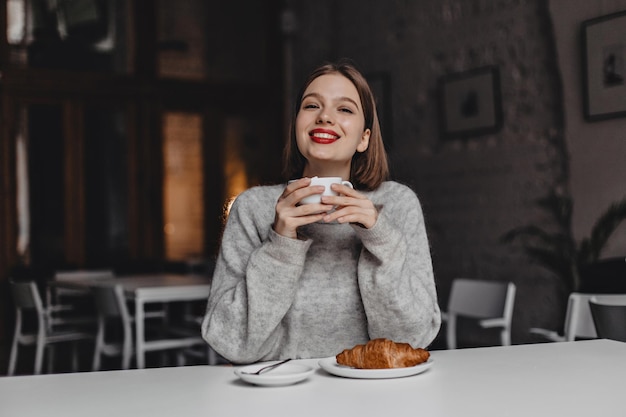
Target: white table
[[152, 288], [585, 378]]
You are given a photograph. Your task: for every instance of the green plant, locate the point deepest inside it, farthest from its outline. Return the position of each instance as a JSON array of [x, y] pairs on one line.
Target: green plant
[[557, 250]]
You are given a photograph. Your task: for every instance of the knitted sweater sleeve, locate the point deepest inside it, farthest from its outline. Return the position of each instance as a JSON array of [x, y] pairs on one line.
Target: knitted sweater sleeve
[[254, 283], [396, 274]]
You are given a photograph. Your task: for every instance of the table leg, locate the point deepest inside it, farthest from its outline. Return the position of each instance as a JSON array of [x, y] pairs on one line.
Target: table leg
[[140, 333]]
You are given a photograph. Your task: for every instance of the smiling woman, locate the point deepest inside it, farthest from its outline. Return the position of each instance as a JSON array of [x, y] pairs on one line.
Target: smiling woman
[[330, 115], [310, 280], [369, 168]]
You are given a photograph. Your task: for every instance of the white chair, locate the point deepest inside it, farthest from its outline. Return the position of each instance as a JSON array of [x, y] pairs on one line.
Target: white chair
[[491, 302], [578, 320], [26, 298], [204, 353], [111, 305]]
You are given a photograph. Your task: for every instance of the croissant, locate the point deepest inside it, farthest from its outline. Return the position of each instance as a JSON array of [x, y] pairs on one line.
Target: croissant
[[382, 354]]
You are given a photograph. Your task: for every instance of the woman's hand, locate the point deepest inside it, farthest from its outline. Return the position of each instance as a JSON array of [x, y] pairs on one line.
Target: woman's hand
[[351, 207], [289, 215]]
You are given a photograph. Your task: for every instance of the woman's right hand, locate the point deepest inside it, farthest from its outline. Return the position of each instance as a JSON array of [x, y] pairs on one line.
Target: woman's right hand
[[289, 215]]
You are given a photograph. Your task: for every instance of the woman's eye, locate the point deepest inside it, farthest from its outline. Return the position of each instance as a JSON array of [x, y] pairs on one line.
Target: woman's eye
[[310, 106], [346, 110]]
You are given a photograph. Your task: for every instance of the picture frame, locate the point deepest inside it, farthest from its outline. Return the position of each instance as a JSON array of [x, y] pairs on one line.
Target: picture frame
[[604, 67], [470, 103]]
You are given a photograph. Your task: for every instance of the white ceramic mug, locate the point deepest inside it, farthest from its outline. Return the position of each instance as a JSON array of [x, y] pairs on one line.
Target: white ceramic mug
[[326, 182]]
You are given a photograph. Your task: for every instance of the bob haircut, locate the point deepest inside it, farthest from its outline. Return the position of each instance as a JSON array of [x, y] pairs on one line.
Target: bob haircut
[[368, 168]]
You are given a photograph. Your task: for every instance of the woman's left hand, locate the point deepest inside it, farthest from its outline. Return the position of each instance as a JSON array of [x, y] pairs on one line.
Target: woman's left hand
[[351, 207]]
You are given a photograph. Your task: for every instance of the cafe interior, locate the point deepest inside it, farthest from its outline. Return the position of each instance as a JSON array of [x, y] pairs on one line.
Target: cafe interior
[[127, 128]]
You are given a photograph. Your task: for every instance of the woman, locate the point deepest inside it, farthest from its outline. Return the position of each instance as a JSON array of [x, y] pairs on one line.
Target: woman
[[307, 281]]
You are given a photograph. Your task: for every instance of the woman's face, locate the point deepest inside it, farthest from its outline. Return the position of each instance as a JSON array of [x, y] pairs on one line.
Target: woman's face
[[330, 125]]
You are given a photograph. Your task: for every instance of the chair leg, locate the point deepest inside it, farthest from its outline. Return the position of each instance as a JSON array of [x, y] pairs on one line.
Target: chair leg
[[451, 331], [13, 359], [15, 344], [180, 358], [505, 337], [99, 346], [75, 356], [126, 353], [39, 355], [95, 362], [127, 346], [212, 355]]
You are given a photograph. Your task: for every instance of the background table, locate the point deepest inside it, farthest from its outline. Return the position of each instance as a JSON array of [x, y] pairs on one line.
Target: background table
[[152, 288], [584, 378]]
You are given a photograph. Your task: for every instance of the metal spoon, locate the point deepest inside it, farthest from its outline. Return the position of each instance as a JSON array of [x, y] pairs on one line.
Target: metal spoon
[[266, 368]]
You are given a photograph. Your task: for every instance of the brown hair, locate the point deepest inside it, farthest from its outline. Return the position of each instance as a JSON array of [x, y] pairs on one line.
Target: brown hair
[[369, 168]]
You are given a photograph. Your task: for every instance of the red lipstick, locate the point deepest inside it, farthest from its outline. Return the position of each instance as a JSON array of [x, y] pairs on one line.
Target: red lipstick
[[323, 136]]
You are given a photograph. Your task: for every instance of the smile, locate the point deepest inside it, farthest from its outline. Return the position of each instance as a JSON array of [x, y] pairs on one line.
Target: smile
[[323, 136]]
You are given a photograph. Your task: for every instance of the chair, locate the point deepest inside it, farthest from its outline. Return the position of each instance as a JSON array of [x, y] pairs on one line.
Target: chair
[[489, 301], [609, 317], [111, 305], [204, 353], [26, 298], [578, 320]]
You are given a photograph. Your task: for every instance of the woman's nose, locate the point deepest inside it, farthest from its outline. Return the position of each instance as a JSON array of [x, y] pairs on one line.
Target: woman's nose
[[324, 117]]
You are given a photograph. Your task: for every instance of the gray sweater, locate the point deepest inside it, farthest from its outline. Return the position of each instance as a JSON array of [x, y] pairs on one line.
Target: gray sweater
[[273, 297]]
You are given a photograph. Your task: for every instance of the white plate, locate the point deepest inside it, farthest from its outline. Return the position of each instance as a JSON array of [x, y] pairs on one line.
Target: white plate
[[331, 366], [287, 374]]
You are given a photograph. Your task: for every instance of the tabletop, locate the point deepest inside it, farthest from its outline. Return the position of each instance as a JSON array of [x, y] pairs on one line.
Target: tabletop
[[134, 281], [150, 287], [580, 378]]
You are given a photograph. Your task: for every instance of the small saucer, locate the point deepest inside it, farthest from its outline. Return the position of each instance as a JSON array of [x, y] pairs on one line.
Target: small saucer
[[287, 374]]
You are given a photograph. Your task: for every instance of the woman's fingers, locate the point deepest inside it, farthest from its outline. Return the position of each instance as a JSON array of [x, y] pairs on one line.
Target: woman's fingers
[[347, 191], [290, 215], [353, 214], [351, 207]]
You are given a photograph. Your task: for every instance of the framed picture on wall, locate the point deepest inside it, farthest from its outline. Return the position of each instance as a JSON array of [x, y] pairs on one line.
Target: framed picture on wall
[[470, 103], [604, 66]]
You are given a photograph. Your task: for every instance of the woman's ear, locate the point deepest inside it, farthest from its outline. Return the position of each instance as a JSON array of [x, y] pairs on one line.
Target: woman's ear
[[365, 141]]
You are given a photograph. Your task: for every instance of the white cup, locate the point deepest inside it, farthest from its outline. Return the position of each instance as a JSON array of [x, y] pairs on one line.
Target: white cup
[[326, 182]]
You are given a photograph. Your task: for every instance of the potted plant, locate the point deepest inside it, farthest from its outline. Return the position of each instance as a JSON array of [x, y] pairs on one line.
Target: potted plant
[[557, 250]]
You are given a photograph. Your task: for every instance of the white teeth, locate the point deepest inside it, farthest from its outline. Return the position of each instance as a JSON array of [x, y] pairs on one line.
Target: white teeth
[[325, 135]]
